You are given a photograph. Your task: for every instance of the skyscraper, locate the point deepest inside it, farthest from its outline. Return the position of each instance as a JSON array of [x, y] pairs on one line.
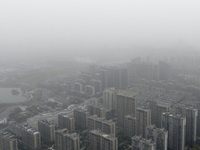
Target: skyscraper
[[96, 84], [152, 107], [129, 126], [66, 121], [47, 131], [191, 123], [80, 117], [160, 109], [126, 105], [8, 141], [143, 117], [139, 143], [31, 138], [198, 120], [157, 109], [97, 110], [105, 126], [67, 141], [158, 135], [102, 141], [176, 126], [89, 90], [110, 98]]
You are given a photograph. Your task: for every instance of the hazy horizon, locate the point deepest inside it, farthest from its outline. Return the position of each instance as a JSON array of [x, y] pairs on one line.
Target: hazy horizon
[[96, 28]]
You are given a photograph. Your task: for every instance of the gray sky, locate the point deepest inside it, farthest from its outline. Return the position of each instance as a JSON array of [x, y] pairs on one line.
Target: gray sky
[[80, 26]]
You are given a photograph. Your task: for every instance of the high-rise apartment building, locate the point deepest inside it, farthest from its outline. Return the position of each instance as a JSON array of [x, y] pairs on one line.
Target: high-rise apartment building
[[81, 117], [31, 138], [78, 87], [198, 120], [176, 126], [89, 90], [129, 126], [102, 141], [114, 77], [191, 123], [139, 143], [160, 109], [67, 141], [105, 126], [47, 131], [8, 141], [96, 84], [157, 109], [143, 117], [15, 128], [97, 110], [126, 105], [110, 98], [157, 135], [152, 107], [66, 121]]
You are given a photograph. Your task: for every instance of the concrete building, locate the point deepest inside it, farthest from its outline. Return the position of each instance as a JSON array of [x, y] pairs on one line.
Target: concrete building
[[139, 143], [8, 141], [78, 87], [102, 141], [129, 126], [126, 105], [152, 107], [160, 109], [110, 98], [89, 90], [66, 121], [80, 118], [157, 109], [97, 85], [176, 126], [143, 117], [47, 131], [191, 123], [15, 128], [114, 77], [67, 141], [97, 110], [31, 138], [105, 126], [157, 135], [198, 121]]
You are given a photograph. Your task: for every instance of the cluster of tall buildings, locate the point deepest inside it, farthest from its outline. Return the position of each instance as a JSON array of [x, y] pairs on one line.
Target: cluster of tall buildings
[[150, 126], [101, 141], [165, 128], [30, 138], [100, 78], [150, 71], [66, 141], [8, 141]]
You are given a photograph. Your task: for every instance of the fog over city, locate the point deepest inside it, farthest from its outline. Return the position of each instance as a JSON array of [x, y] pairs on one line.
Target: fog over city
[[98, 28], [99, 75]]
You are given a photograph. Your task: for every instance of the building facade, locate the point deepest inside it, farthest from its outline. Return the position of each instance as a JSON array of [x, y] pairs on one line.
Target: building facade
[[143, 117], [158, 135], [8, 141], [126, 105], [67, 141], [102, 141], [47, 131], [139, 143], [176, 126]]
